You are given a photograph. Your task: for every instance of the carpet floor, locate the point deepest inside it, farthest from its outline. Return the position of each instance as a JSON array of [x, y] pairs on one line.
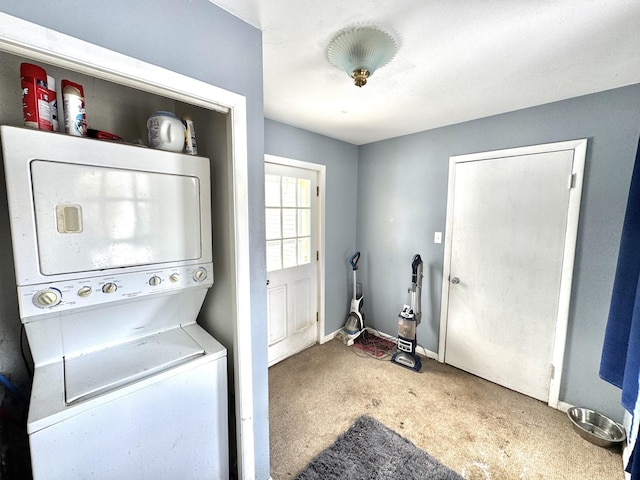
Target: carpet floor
[[478, 429]]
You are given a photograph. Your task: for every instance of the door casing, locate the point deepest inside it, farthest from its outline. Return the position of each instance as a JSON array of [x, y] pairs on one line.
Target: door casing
[[579, 148]]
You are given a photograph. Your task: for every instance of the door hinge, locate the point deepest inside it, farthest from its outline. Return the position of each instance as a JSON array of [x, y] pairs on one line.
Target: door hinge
[[317, 317], [552, 371], [317, 191], [317, 256], [572, 180]]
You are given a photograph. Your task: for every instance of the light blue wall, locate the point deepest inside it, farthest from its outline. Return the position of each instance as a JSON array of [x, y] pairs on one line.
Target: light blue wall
[[200, 40], [402, 190], [341, 160]]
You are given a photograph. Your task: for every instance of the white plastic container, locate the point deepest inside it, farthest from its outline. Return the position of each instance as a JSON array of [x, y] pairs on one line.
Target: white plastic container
[[190, 145], [166, 132]]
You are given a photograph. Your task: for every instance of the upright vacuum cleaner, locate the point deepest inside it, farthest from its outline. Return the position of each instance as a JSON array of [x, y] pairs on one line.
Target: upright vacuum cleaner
[[354, 325], [409, 319]]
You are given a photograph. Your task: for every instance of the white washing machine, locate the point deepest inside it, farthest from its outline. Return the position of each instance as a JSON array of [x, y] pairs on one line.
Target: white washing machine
[[113, 259]]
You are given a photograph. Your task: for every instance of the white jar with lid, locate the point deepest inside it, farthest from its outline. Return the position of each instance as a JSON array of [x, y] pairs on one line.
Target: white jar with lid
[[166, 132]]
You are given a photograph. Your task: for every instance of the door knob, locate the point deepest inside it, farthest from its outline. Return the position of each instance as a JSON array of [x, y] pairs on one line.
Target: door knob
[[455, 280]]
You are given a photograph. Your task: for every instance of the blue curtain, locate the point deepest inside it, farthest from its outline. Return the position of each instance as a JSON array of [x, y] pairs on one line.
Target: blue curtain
[[620, 363]]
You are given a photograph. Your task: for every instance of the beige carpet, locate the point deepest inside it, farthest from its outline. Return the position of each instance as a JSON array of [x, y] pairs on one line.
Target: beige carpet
[[479, 429]]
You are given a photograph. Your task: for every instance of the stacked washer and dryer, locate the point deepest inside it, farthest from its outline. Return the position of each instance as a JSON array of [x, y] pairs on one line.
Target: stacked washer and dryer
[[113, 259]]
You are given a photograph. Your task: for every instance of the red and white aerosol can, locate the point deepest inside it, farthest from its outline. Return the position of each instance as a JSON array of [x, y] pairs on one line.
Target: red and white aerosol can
[[75, 121], [53, 102], [35, 97]]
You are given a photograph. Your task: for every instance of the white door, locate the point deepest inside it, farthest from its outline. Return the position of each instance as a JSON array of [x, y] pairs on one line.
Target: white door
[[292, 271], [508, 242]]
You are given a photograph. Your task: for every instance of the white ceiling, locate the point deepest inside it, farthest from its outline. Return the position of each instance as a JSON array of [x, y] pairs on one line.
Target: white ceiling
[[458, 59]]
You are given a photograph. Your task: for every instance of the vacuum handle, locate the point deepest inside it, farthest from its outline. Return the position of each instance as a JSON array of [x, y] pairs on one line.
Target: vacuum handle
[[415, 265], [416, 288], [354, 260]]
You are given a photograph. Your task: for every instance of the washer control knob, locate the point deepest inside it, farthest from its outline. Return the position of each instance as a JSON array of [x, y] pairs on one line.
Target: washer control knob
[[49, 297], [84, 291], [154, 281], [109, 287], [200, 275], [174, 277]]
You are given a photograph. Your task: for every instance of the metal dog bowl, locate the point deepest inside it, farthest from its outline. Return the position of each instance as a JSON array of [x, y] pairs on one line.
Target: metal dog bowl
[[596, 428]]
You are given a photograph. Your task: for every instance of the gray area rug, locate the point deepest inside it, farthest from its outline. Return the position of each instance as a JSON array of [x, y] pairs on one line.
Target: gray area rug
[[371, 451]]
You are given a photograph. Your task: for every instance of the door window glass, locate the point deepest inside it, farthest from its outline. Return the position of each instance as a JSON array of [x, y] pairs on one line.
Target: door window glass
[[287, 221]]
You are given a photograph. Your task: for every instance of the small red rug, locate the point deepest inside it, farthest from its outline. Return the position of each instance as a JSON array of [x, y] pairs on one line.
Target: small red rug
[[374, 345]]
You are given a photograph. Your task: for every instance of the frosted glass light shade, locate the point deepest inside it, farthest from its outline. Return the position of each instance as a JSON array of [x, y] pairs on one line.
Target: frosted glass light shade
[[361, 51]]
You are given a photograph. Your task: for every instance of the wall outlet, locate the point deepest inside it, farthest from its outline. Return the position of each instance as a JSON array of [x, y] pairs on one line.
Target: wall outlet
[[437, 237]]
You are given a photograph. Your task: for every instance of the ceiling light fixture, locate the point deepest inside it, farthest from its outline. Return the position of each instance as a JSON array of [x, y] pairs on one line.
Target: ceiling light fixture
[[361, 51]]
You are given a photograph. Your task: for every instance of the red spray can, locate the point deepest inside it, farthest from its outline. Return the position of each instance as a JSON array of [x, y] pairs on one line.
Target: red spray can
[[35, 97]]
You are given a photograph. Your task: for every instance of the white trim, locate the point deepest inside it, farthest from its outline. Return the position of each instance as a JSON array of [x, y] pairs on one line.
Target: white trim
[[564, 406], [243, 350], [420, 350], [446, 265], [329, 337], [579, 148], [321, 172], [566, 280], [33, 41]]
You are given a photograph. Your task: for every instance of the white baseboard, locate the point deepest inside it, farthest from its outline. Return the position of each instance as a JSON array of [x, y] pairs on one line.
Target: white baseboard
[[426, 353], [329, 337]]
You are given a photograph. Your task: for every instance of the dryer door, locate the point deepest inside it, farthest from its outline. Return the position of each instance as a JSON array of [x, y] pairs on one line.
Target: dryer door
[[94, 218]]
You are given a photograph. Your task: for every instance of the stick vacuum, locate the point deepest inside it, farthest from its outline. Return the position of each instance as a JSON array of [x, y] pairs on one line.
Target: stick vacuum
[[354, 325], [409, 319]]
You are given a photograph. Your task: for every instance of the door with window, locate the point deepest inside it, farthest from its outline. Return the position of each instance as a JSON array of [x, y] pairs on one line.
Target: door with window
[[292, 268]]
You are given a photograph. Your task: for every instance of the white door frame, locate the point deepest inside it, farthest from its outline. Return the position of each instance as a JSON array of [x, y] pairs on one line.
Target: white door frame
[[321, 171], [579, 148], [30, 40]]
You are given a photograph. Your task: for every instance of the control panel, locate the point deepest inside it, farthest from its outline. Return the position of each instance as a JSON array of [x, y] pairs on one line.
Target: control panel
[[73, 294]]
